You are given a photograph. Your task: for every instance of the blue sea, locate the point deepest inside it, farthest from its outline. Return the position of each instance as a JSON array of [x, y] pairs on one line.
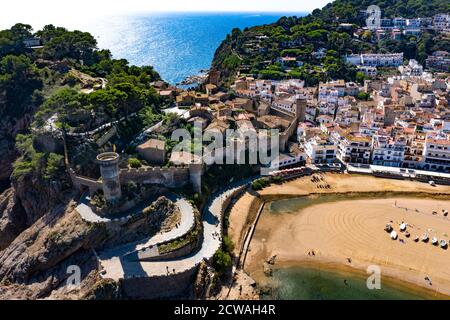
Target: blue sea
[[176, 44]]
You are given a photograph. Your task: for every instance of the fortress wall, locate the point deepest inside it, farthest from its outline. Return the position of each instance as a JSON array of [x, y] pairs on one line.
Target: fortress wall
[[173, 284], [79, 182], [236, 194], [178, 253], [160, 286], [171, 177], [284, 136]]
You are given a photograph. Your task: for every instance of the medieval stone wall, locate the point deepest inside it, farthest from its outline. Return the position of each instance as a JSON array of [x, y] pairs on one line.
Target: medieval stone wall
[[172, 177]]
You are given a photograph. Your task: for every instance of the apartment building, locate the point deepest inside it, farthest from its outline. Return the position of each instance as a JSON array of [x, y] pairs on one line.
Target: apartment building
[[387, 151], [352, 147], [439, 60], [437, 152], [415, 144], [376, 59], [441, 22], [320, 149]]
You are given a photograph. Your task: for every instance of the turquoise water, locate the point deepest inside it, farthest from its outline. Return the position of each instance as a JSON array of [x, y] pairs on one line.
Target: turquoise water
[[176, 44], [293, 205], [315, 284]]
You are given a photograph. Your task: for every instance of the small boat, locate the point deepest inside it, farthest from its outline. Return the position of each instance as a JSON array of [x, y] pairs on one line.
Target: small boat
[[388, 228], [394, 235], [434, 241], [445, 213], [425, 237], [416, 239], [443, 244], [403, 227]]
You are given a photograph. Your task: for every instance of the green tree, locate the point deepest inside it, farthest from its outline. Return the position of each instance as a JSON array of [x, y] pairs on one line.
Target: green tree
[[221, 261], [19, 79]]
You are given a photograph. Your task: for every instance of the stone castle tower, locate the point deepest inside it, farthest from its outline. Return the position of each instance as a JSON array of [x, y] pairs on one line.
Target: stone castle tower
[[300, 109], [109, 169]]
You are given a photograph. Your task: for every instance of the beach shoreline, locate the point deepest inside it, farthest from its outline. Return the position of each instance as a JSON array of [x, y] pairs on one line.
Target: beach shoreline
[[361, 186]]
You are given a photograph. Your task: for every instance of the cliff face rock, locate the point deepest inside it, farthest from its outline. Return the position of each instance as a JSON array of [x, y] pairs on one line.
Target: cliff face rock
[[203, 281], [53, 283], [38, 196], [36, 264], [12, 218], [161, 215], [39, 257]]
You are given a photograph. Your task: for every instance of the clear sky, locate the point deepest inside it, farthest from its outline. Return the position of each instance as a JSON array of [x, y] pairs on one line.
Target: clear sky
[[72, 12]]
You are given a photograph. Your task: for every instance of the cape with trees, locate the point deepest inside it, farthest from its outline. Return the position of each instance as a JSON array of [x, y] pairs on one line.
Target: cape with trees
[[257, 50]]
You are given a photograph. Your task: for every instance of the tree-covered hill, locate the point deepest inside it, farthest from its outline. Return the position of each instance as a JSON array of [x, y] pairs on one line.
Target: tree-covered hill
[[65, 75], [349, 9], [256, 50]]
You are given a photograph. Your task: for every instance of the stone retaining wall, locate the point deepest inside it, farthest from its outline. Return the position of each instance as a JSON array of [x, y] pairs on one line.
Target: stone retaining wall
[[172, 177], [173, 284], [160, 286]]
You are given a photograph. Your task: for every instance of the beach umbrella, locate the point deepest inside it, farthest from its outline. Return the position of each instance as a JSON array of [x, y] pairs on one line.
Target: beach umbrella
[[434, 241], [394, 235]]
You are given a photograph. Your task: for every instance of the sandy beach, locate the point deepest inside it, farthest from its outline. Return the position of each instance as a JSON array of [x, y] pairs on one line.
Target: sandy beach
[[349, 233]]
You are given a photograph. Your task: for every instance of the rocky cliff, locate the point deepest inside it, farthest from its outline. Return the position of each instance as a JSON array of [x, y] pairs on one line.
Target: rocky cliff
[[9, 128], [12, 218], [38, 263], [29, 198]]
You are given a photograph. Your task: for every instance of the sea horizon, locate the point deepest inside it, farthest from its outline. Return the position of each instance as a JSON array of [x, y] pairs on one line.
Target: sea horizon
[[176, 44]]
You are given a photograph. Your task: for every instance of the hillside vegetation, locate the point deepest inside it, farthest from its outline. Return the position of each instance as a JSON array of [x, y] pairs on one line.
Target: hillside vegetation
[[256, 50]]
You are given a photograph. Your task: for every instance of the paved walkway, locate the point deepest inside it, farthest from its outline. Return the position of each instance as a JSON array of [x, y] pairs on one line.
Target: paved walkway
[[87, 214], [116, 267], [186, 224]]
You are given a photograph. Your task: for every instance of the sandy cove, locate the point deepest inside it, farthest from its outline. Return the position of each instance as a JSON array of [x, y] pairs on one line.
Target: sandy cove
[[351, 228]]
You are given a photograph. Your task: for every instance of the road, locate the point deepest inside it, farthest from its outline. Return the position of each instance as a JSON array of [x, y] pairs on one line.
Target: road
[[186, 224], [116, 267]]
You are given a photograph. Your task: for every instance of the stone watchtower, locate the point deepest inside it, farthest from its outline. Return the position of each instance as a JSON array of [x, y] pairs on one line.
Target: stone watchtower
[[109, 169], [300, 109]]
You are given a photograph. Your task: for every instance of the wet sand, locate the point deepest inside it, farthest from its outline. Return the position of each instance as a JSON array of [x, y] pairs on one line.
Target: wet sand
[[353, 229]]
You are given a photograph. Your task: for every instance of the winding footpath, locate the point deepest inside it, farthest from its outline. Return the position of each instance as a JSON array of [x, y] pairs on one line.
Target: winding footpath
[[116, 267]]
